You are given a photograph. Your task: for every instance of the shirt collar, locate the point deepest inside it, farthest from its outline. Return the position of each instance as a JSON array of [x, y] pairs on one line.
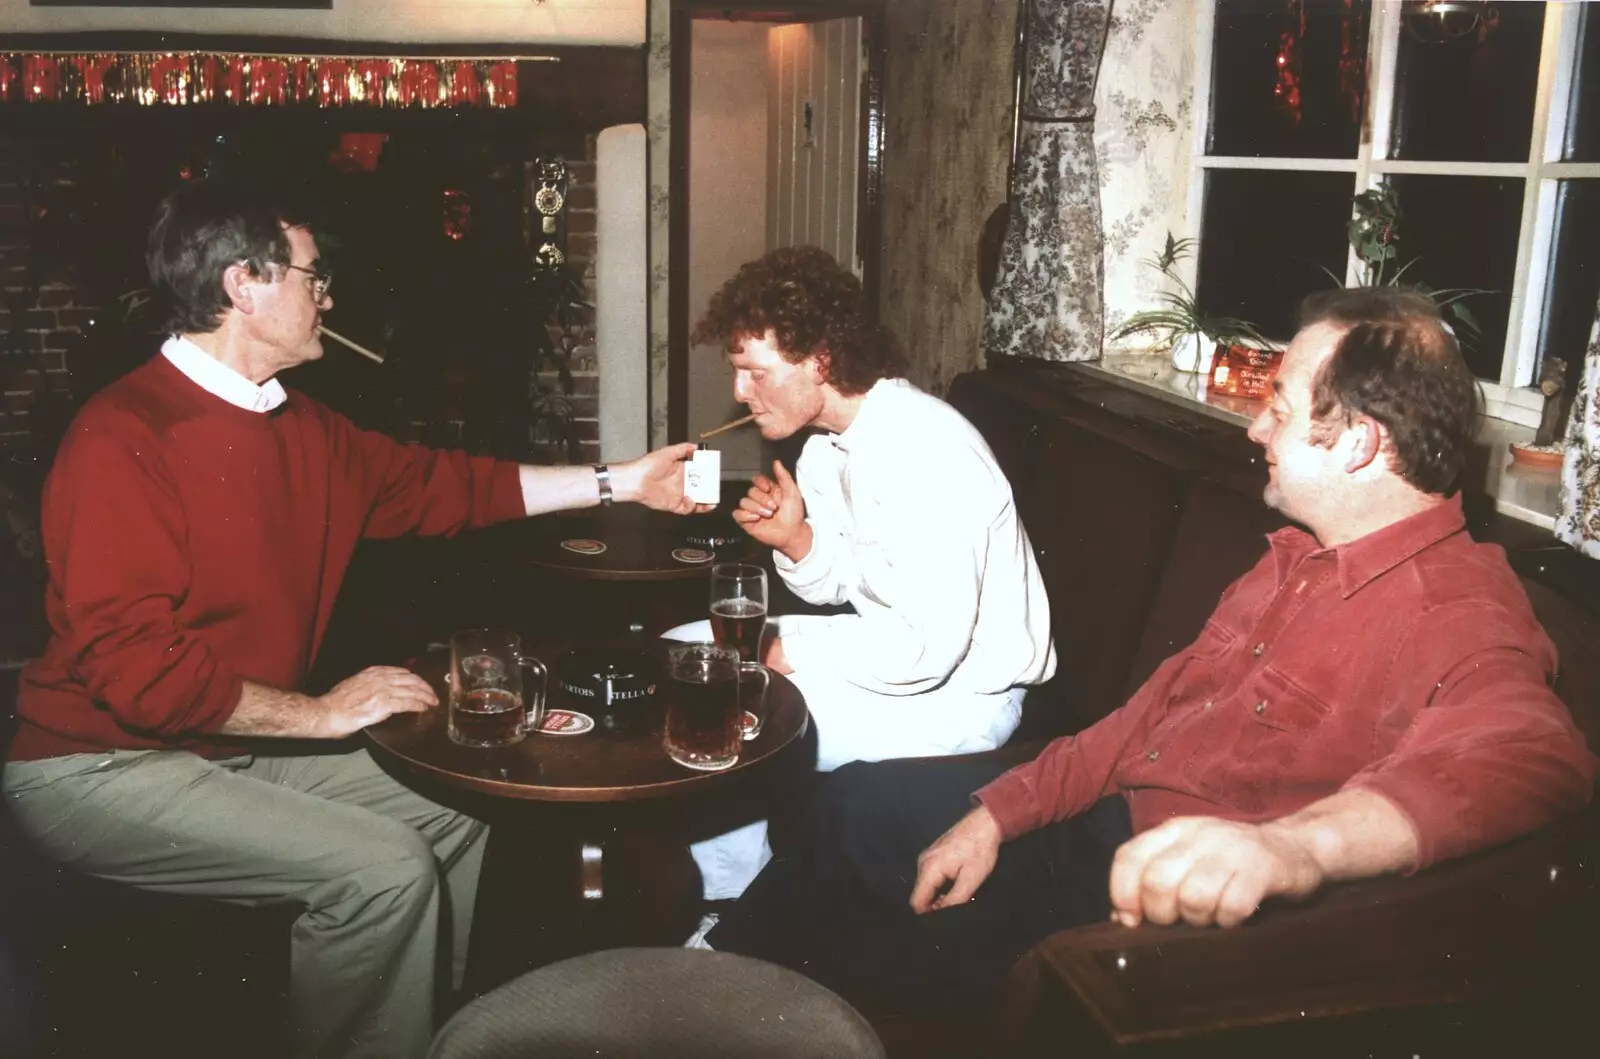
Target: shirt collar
[[874, 407], [1364, 560], [219, 380]]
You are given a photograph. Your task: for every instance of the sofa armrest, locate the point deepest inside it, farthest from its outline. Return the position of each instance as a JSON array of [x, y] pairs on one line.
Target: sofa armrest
[[1513, 918]]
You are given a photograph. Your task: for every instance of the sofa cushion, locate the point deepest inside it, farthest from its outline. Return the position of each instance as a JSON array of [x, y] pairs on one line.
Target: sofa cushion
[[1101, 572], [1220, 535]]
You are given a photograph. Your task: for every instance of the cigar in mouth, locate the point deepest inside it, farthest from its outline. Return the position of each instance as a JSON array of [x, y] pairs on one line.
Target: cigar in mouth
[[363, 350], [728, 426]]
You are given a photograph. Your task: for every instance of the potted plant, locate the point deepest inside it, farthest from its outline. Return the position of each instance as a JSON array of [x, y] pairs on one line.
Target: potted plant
[[1182, 327], [1374, 232]]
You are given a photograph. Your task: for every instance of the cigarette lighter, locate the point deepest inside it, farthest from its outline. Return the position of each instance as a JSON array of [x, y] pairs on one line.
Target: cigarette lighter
[[702, 476]]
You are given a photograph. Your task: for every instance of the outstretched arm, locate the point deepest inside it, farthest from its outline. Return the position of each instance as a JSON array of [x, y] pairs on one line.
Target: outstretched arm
[[654, 480], [1204, 870]]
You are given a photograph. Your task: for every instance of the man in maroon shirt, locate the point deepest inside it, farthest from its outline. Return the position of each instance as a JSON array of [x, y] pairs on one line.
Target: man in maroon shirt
[[198, 521], [1372, 697]]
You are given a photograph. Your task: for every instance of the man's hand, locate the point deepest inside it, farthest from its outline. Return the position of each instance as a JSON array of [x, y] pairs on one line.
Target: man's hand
[[369, 697], [773, 513], [1207, 871], [656, 480], [963, 857]]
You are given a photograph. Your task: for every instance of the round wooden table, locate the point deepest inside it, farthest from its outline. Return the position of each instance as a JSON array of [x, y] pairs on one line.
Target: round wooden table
[[639, 543], [635, 583], [589, 847], [597, 766]]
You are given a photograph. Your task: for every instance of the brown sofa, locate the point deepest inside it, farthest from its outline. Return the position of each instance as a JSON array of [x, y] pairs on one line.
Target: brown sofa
[[1141, 512]]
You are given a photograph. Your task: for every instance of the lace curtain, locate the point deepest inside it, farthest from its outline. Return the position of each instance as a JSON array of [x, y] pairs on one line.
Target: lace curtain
[[1578, 522], [1047, 301]]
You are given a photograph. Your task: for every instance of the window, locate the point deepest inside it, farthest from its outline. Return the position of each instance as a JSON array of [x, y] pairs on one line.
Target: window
[[1484, 118]]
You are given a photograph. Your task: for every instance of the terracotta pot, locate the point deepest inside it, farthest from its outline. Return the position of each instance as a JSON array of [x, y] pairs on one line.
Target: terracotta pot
[[1536, 457]]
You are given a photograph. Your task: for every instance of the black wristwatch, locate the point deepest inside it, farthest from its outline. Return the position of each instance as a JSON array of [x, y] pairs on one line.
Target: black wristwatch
[[603, 474]]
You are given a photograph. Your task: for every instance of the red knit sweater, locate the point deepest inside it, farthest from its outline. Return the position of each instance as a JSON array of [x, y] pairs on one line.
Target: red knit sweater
[[194, 545]]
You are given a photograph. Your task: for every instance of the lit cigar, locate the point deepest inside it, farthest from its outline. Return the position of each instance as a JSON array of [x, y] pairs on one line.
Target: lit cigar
[[363, 350], [727, 426]]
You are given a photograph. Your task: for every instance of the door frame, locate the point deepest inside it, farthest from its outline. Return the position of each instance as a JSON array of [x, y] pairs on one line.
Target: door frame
[[869, 170]]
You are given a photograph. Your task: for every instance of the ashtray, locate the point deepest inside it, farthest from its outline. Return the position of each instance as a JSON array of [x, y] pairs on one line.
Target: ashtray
[[616, 686]]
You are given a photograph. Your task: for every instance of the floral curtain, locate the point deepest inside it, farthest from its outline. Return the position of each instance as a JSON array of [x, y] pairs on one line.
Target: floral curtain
[[1578, 522], [1047, 299]]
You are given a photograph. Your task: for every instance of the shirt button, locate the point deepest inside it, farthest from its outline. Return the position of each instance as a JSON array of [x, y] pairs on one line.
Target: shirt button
[[1208, 704], [1260, 649], [1152, 755], [1261, 707]]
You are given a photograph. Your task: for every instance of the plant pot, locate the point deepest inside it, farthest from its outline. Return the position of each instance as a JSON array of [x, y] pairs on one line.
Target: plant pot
[[1193, 352], [1529, 456]]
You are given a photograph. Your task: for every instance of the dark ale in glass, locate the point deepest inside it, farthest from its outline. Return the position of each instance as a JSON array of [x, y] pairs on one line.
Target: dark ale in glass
[[703, 715], [486, 717], [737, 623]]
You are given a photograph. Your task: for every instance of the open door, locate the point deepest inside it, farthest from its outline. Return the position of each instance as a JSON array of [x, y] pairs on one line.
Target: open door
[[776, 140]]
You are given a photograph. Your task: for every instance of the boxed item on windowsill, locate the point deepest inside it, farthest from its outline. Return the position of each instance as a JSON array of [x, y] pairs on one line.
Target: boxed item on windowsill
[[1244, 371]]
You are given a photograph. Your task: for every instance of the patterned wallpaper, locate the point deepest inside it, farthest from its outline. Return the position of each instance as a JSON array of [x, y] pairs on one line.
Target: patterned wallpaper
[[949, 138], [658, 130], [947, 142], [1142, 137]]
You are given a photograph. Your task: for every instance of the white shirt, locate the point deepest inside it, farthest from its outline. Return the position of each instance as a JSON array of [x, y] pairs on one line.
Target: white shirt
[[219, 380], [914, 526]]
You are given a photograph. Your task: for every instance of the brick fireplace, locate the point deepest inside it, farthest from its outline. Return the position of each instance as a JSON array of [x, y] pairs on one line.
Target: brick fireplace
[[49, 360]]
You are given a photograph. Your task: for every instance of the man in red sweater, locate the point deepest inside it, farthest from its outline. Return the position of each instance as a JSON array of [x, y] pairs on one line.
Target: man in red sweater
[[198, 522], [1374, 696]]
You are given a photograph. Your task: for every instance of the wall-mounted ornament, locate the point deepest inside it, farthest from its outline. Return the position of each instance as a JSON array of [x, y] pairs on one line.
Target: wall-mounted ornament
[[550, 208]]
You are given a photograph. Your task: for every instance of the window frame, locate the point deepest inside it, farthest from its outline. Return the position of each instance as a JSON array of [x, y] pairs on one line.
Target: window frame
[[1512, 396]]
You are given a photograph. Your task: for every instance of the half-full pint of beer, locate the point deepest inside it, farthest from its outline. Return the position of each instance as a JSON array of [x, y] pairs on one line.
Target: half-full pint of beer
[[490, 704], [737, 623], [487, 717], [703, 730]]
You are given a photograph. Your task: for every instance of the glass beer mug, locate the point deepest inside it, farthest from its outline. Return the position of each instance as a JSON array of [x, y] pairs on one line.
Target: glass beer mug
[[703, 714], [490, 704]]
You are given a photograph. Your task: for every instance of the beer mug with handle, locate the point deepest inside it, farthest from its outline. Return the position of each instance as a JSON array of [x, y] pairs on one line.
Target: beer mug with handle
[[703, 715], [738, 618], [490, 703]]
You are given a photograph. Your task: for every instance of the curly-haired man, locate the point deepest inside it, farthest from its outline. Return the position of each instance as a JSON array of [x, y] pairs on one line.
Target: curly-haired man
[[899, 511]]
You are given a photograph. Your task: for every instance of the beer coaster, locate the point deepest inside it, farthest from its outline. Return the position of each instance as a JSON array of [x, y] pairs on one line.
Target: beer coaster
[[584, 546], [565, 722], [693, 555]]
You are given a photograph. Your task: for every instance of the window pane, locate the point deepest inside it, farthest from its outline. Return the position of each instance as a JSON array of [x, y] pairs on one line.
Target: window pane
[[1462, 232], [1467, 98], [1583, 116], [1264, 236], [1574, 283], [1288, 77]]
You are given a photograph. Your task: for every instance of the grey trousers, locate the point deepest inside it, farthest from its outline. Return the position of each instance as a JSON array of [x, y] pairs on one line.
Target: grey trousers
[[365, 856]]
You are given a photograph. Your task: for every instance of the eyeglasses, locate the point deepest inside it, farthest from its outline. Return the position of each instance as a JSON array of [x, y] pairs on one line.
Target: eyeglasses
[[320, 281]]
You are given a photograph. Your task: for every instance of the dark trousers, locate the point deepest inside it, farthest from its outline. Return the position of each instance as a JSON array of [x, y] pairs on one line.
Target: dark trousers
[[836, 904]]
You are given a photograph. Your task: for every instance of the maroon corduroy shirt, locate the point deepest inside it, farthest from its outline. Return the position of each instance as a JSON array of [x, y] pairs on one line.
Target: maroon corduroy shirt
[[194, 545], [1408, 663]]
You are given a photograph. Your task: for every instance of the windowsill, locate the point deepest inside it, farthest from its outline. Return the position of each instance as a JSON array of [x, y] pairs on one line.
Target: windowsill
[[1531, 494]]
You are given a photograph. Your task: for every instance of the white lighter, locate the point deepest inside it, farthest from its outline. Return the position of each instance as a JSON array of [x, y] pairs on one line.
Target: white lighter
[[702, 476]]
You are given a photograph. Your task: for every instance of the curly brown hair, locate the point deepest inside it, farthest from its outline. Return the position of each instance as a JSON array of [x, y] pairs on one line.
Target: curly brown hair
[[1399, 364], [814, 307]]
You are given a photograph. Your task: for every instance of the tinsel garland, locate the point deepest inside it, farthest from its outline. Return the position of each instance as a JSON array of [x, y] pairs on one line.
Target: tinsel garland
[[180, 79]]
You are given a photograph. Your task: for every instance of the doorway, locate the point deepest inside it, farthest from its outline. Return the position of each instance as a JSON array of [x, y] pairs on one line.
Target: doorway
[[777, 124]]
